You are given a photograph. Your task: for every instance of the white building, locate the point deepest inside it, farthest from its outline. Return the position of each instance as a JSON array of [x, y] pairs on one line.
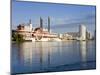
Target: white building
[[28, 27], [82, 32]]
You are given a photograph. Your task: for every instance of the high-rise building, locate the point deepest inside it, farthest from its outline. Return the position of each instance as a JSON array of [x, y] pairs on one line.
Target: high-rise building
[[41, 23], [49, 24], [30, 24], [82, 32]]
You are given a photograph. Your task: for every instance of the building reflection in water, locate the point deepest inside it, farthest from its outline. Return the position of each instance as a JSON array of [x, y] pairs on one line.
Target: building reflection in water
[[45, 56], [42, 55], [25, 53], [83, 52], [34, 54]]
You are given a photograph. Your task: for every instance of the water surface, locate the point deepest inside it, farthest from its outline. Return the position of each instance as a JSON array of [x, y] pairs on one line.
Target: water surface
[[32, 57]]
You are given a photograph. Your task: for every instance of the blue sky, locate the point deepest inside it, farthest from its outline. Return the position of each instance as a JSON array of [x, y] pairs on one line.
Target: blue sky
[[64, 17]]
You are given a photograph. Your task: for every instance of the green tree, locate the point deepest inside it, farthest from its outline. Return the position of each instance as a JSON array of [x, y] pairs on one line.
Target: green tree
[[17, 37]]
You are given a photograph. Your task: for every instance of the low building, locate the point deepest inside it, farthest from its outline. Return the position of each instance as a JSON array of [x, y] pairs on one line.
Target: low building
[[71, 35]]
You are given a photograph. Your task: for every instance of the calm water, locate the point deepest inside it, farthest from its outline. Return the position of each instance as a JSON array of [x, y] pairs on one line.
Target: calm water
[[32, 57]]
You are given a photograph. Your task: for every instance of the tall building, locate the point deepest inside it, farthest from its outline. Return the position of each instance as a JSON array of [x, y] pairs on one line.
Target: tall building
[[82, 32], [30, 24], [49, 24], [41, 23]]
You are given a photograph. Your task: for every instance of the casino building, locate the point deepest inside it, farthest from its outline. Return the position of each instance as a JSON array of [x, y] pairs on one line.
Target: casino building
[[36, 34]]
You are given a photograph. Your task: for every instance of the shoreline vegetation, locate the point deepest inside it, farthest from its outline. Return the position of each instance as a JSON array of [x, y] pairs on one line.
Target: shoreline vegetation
[[17, 37]]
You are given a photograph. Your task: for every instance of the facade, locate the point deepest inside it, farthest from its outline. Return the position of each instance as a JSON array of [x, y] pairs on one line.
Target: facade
[[35, 34], [89, 35], [67, 36], [82, 32]]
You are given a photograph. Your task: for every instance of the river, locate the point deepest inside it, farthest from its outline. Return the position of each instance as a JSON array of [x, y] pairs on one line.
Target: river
[[33, 57]]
